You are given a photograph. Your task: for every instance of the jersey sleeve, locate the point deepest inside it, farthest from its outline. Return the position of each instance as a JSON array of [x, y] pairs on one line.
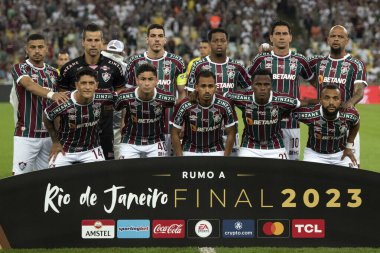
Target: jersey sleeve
[[18, 72], [231, 116], [179, 114], [244, 79], [121, 101], [352, 116], [65, 80], [119, 79], [306, 71], [167, 99], [192, 77], [53, 110], [361, 73], [130, 74], [256, 64], [313, 63]]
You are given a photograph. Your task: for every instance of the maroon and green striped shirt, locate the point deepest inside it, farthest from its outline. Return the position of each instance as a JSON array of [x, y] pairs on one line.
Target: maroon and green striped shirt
[[286, 71], [327, 136], [78, 130], [230, 75], [204, 125], [144, 120], [344, 73], [169, 66], [31, 107], [262, 123]]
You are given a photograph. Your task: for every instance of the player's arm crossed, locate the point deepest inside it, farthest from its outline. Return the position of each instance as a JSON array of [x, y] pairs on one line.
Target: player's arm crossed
[[38, 90]]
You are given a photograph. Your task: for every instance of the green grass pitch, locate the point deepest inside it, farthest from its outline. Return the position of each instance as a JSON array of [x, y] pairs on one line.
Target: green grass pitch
[[370, 160]]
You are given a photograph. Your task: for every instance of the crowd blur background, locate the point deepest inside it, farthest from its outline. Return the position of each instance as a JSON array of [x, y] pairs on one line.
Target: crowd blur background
[[186, 23]]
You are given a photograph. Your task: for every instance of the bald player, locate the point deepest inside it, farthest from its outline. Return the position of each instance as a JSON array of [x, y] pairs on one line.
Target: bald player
[[343, 70]]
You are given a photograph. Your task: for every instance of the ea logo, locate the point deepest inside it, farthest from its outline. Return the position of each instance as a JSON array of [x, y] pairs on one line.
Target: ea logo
[[203, 228], [273, 228]]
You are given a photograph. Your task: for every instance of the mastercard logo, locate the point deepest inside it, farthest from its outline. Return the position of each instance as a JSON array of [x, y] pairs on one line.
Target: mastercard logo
[[273, 228]]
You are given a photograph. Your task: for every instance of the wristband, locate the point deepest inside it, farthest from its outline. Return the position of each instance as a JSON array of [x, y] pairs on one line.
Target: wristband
[[50, 95], [350, 145]]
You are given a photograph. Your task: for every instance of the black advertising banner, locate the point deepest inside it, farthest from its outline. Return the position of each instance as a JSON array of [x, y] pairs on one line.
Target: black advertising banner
[[192, 201]]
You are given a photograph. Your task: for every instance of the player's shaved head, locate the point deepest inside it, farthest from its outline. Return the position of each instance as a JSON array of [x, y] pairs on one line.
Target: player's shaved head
[[339, 27]]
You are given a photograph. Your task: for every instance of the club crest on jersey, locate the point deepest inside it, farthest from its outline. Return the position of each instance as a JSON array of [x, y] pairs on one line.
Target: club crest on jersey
[[72, 117], [248, 111], [157, 110], [193, 117], [344, 70], [22, 165], [105, 68], [345, 64], [166, 70], [206, 67], [274, 112], [324, 61], [217, 118], [106, 76], [231, 74], [343, 128], [231, 67], [97, 112], [293, 66]]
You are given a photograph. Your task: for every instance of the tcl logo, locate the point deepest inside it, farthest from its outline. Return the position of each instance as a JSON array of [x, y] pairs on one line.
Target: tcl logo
[[168, 229], [308, 228]]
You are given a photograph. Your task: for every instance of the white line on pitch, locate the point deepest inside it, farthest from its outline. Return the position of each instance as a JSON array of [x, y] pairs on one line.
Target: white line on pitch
[[206, 250]]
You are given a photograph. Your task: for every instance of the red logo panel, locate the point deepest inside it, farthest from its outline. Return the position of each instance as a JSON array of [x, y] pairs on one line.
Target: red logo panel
[[168, 229], [308, 228]]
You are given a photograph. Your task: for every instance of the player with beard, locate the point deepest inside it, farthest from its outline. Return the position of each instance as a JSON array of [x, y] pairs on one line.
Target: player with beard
[[34, 82], [262, 112], [340, 68], [332, 129], [287, 67], [169, 67], [203, 115]]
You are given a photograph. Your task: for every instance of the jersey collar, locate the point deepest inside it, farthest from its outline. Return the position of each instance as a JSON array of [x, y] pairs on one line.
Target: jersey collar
[[286, 56], [209, 60], [146, 56], [341, 59], [30, 64]]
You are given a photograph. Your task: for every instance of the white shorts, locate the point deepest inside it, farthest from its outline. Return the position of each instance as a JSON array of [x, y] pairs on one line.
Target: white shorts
[[279, 153], [235, 147], [30, 154], [128, 151], [292, 139], [116, 142], [217, 153], [169, 147], [310, 155], [89, 156]]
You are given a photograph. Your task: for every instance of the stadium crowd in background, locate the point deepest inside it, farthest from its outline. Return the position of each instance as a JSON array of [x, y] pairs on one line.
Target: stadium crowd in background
[[186, 22]]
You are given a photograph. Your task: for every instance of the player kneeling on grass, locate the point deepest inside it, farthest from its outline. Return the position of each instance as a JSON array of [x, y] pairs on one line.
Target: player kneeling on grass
[[77, 139], [203, 114], [262, 111], [143, 131], [332, 129]]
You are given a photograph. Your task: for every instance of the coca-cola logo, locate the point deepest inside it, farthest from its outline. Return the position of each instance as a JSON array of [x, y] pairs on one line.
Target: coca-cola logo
[[172, 229], [168, 229]]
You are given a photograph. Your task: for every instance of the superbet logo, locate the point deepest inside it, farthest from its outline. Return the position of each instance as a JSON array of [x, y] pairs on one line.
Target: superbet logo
[[168, 229], [308, 228]]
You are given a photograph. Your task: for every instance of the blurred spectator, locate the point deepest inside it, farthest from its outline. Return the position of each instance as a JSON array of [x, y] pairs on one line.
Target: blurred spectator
[[186, 21]]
